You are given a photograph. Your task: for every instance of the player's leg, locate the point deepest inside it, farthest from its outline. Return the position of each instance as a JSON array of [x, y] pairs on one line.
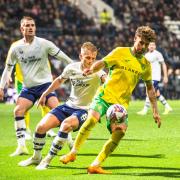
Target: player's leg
[[27, 122], [48, 122], [22, 105], [44, 111], [83, 134], [98, 109], [18, 86], [163, 101], [69, 124], [147, 102], [146, 107], [70, 141], [118, 131], [53, 102]]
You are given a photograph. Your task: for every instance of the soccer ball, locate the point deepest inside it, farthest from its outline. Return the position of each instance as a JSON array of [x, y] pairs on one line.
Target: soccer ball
[[116, 113]]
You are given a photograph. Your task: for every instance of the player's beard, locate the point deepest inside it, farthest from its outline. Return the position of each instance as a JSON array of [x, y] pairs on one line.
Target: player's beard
[[140, 52]]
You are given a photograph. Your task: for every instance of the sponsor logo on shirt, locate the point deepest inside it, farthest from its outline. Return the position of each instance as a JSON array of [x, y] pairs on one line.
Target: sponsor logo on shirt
[[30, 59], [77, 82], [130, 69]]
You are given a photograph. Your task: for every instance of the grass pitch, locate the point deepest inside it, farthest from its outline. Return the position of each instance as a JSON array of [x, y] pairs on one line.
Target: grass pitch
[[146, 152]]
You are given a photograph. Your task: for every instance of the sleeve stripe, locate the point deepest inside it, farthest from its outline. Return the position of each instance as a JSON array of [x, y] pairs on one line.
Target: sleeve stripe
[[10, 65], [57, 53]]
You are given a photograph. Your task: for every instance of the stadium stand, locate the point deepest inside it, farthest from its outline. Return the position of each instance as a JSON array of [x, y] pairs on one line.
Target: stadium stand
[[66, 25]]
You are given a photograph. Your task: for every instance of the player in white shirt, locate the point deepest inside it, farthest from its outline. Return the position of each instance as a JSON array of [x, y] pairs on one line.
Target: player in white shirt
[[71, 115], [31, 53], [156, 59]]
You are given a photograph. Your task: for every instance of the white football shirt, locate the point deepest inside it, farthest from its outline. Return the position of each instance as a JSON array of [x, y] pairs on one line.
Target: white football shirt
[[155, 58], [83, 88], [33, 60]]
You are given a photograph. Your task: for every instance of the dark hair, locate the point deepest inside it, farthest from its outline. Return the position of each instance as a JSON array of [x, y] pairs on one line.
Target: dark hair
[[146, 33]]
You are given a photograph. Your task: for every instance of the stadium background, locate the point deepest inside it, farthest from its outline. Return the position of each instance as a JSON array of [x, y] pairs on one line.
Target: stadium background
[[70, 23], [146, 152]]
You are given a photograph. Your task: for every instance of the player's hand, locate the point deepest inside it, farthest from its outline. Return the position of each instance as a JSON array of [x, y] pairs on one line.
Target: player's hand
[[87, 72], [9, 81], [157, 119], [165, 80], [41, 101], [1, 94]]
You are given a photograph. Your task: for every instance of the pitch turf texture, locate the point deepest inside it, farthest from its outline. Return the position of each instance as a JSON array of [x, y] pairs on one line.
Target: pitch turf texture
[[146, 152]]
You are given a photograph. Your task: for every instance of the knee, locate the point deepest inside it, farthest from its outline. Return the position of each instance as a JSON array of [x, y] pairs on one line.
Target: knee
[[19, 111], [121, 128], [40, 129], [66, 127]]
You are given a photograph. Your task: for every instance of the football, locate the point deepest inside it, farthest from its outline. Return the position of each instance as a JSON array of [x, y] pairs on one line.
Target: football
[[116, 113]]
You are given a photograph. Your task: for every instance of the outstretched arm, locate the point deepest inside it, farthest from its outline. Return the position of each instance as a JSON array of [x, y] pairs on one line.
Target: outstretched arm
[[152, 97], [54, 85], [98, 65], [62, 56], [54, 51]]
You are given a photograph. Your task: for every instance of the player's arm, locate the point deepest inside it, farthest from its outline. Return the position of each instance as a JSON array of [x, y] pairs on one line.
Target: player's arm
[[102, 75], [152, 97], [165, 76], [62, 56], [97, 66], [4, 79], [54, 51], [103, 78], [54, 85], [10, 62], [164, 67]]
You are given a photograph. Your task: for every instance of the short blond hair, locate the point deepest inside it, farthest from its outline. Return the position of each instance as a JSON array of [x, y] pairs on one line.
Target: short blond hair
[[90, 46], [146, 33], [26, 18]]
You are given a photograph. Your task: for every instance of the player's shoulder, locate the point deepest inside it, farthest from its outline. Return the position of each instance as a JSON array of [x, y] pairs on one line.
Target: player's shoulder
[[157, 52], [17, 43], [146, 61], [117, 51], [73, 65], [121, 49], [16, 46], [40, 39], [44, 42]]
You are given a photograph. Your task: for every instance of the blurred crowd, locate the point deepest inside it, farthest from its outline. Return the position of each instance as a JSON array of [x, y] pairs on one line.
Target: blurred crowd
[[135, 13], [68, 27]]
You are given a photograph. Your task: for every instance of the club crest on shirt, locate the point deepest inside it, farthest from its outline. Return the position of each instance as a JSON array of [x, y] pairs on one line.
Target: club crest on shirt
[[21, 51]]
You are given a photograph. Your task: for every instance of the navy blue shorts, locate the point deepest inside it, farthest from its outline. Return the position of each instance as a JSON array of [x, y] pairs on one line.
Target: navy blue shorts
[[64, 111], [156, 85], [34, 93]]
